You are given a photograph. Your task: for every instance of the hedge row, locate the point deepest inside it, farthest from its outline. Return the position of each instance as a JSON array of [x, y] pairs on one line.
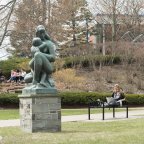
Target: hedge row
[[72, 98], [91, 59], [7, 100]]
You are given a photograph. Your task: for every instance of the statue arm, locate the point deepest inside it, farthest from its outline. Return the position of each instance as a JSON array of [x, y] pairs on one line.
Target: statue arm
[[51, 56], [42, 46]]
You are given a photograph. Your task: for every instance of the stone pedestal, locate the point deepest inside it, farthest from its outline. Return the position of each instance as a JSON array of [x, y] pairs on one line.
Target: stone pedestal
[[40, 111]]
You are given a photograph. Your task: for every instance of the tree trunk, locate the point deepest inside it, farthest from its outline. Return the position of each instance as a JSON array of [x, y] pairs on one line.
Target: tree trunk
[[44, 8]]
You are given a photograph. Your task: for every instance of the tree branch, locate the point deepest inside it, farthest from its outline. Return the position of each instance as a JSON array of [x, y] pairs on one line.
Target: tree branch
[[7, 23]]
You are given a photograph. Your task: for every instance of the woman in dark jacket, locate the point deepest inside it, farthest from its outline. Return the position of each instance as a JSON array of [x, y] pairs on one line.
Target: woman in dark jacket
[[118, 94]]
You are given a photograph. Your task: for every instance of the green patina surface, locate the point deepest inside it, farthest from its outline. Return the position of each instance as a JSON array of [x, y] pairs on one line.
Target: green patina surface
[[43, 52]]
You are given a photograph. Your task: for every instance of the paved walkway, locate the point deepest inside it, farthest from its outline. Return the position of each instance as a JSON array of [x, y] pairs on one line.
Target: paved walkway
[[133, 114]]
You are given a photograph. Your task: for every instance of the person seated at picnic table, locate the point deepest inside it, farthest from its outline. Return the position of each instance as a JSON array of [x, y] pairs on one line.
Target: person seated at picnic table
[[22, 74], [18, 76], [117, 96], [13, 76], [2, 77]]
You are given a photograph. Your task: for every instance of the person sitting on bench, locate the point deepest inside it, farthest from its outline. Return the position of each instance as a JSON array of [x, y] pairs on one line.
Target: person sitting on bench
[[117, 96]]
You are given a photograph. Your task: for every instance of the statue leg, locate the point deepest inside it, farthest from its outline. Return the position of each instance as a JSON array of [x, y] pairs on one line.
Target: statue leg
[[29, 77], [37, 68], [43, 78], [42, 68], [31, 64], [48, 68], [47, 80]]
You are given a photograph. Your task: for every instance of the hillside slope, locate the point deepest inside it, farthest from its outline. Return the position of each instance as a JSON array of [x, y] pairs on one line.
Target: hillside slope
[[101, 79]]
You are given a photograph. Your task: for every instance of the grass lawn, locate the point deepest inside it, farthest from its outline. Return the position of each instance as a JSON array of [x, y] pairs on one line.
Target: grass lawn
[[116, 132], [6, 114]]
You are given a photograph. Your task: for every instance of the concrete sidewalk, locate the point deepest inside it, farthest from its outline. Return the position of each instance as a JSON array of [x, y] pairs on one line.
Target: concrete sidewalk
[[133, 114]]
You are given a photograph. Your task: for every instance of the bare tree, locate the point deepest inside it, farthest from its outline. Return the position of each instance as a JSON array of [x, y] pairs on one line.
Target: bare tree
[[6, 10], [28, 15], [108, 13], [133, 10], [68, 10]]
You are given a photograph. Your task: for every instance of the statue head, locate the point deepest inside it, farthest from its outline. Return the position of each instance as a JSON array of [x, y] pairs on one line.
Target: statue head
[[41, 33], [36, 41]]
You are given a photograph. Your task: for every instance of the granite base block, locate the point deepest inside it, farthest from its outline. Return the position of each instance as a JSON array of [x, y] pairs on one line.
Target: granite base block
[[40, 112]]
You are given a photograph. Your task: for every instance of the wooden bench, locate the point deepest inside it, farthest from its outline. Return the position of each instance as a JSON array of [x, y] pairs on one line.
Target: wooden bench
[[93, 103]]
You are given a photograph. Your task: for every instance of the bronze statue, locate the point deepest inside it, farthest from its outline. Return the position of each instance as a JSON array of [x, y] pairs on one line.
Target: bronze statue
[[43, 52]]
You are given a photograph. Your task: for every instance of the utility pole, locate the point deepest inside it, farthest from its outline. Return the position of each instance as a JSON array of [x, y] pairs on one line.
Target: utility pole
[[73, 25], [44, 6], [49, 14], [95, 41], [87, 32], [103, 49]]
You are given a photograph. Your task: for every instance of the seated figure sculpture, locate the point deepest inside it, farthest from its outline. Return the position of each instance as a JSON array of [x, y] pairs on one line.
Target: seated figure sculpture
[[43, 52]]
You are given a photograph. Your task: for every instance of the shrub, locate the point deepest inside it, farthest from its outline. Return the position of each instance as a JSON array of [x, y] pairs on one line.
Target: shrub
[[135, 99], [58, 64], [91, 59], [13, 63], [79, 98], [73, 98], [68, 78], [7, 100]]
